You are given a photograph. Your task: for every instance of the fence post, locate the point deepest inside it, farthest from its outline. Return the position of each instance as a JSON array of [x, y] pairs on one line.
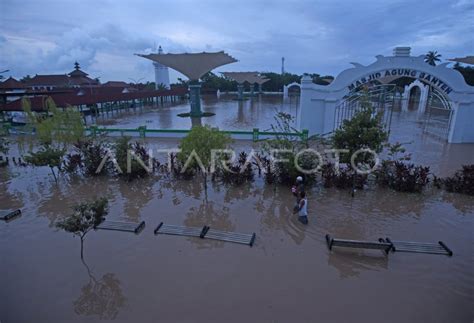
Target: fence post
[[142, 131], [255, 134], [93, 130], [304, 135]]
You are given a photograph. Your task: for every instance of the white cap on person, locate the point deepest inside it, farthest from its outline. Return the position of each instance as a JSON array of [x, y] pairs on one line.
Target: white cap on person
[[299, 179]]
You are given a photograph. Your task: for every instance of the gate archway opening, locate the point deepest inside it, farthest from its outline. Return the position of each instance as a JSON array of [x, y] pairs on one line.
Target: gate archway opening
[[414, 97], [292, 89]]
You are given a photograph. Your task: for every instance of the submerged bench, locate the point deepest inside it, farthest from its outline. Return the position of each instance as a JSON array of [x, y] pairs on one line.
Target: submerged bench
[[381, 245], [242, 238], [206, 233], [7, 215], [178, 230], [121, 226], [439, 248]]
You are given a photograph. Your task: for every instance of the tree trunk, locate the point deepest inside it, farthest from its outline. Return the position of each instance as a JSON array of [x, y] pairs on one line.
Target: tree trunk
[[52, 171], [82, 247], [205, 185]]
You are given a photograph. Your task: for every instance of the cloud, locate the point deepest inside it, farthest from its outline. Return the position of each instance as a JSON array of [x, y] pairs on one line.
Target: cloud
[[313, 36]]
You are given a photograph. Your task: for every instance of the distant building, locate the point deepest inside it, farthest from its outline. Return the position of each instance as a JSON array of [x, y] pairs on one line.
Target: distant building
[[162, 75], [49, 82], [12, 86], [79, 78]]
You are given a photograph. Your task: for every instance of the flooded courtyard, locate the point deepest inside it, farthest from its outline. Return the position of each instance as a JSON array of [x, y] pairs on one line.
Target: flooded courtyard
[[289, 275], [230, 114]]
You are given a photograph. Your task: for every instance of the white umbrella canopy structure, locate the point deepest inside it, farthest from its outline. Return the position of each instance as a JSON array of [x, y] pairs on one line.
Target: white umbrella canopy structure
[[260, 80], [241, 78], [193, 66]]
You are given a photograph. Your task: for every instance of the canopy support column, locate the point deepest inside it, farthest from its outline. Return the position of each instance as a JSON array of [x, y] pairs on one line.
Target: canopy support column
[[195, 98], [240, 91]]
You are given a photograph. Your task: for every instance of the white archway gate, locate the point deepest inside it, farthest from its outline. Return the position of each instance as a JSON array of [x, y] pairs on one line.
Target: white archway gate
[[287, 87], [424, 90], [318, 103]]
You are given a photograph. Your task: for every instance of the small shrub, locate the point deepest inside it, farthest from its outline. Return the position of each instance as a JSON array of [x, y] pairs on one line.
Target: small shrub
[[268, 167], [72, 163], [403, 177], [93, 152], [238, 173], [462, 181], [130, 166], [344, 178]]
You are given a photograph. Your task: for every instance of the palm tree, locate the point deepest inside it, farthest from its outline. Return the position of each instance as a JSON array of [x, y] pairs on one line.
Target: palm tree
[[432, 57]]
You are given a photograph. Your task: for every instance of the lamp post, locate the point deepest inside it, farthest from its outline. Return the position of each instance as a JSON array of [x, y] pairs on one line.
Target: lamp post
[[136, 81]]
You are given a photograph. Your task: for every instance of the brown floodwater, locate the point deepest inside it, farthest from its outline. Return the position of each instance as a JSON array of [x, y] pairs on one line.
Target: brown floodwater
[[288, 276], [257, 112]]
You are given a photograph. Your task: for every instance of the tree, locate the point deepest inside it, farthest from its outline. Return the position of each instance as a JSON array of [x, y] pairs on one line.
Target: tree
[[55, 130], [364, 130], [432, 57], [47, 156], [467, 72], [197, 146], [162, 87], [84, 218], [25, 79], [59, 127], [286, 146]]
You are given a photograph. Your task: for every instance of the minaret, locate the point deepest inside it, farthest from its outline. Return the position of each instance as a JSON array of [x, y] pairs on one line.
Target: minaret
[[282, 65], [162, 75]]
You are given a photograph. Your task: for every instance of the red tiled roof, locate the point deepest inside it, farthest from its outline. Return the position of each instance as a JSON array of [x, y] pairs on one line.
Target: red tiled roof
[[77, 73], [115, 84], [11, 84], [98, 95], [82, 80], [50, 80]]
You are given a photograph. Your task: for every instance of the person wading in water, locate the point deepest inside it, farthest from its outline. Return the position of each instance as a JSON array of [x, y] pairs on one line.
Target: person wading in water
[[296, 190], [302, 209]]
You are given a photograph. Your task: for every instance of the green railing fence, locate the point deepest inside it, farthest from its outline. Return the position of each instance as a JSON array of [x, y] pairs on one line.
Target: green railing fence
[[143, 132]]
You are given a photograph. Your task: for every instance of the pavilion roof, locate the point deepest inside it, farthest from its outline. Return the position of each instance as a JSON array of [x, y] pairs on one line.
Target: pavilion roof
[[52, 79], [241, 77], [466, 60], [88, 97], [193, 65], [260, 80]]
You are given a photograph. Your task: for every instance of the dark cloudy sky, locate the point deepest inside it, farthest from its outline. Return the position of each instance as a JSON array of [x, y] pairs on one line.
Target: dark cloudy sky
[[46, 36]]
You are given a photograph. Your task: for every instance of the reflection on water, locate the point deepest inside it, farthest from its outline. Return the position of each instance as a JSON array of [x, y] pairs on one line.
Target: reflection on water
[[136, 195], [213, 215], [257, 112], [101, 298], [350, 263]]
